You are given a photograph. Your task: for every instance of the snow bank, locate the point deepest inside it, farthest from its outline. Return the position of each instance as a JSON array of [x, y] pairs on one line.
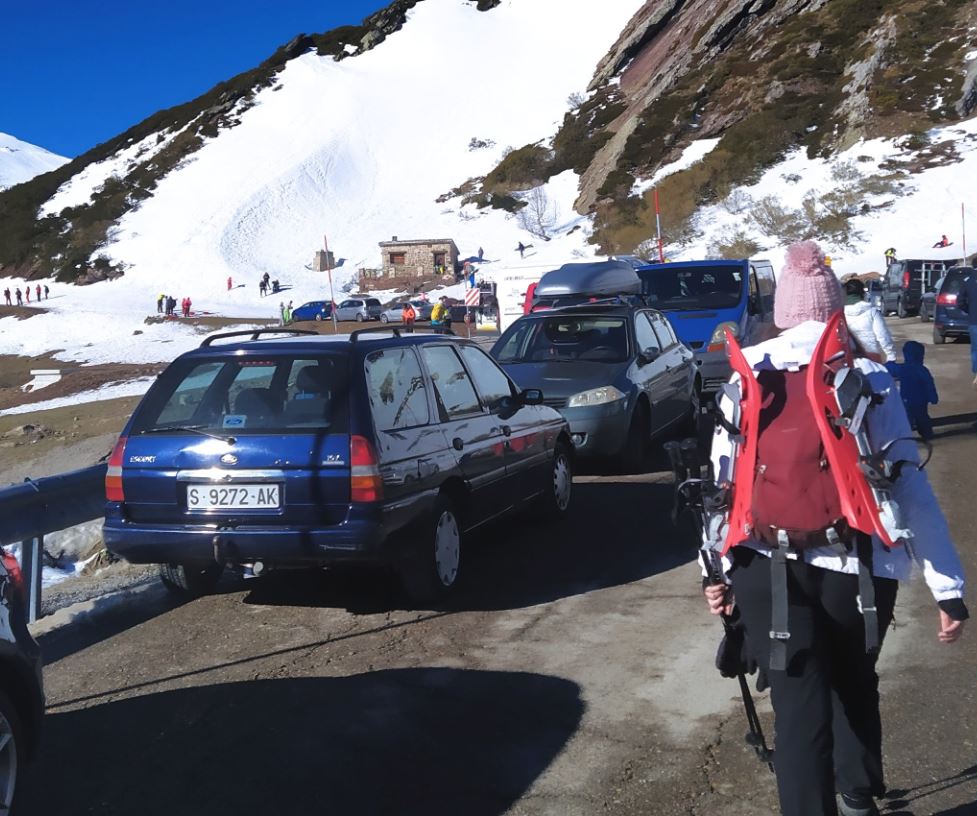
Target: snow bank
[[21, 161]]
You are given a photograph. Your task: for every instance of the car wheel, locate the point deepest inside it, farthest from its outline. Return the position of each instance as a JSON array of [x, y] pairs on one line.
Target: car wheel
[[638, 440], [359, 317], [554, 504], [11, 752], [938, 337], [433, 561], [318, 317], [900, 308], [384, 318], [190, 581]]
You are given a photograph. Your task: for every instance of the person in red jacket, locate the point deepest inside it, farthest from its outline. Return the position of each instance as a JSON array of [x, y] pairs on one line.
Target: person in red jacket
[[189, 304], [37, 291]]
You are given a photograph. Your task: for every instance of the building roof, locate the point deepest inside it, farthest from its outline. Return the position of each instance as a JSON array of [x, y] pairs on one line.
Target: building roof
[[417, 242]]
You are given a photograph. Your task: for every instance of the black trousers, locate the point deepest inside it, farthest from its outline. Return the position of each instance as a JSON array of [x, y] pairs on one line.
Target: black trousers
[[826, 703]]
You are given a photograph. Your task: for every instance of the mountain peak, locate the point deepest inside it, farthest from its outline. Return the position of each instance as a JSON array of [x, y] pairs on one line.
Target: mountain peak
[[20, 161]]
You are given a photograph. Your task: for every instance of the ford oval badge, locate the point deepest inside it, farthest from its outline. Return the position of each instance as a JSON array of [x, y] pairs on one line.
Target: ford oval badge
[[228, 459]]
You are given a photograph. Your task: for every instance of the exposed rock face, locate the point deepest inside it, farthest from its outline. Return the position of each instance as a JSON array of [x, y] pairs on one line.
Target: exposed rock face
[[662, 43]]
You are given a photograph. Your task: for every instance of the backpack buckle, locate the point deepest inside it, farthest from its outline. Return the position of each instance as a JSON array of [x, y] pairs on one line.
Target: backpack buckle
[[779, 635]]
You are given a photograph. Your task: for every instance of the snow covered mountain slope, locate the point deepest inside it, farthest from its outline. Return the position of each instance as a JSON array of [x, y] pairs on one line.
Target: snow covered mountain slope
[[360, 149], [21, 161]]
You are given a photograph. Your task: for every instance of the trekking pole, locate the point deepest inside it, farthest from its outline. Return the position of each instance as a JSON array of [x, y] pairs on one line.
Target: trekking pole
[[754, 737]]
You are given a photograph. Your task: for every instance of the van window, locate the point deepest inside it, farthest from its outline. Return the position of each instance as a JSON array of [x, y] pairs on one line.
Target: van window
[[398, 395], [275, 394], [694, 288]]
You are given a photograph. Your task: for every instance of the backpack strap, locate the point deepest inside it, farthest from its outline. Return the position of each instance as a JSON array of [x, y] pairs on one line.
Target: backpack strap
[[779, 618], [866, 592]]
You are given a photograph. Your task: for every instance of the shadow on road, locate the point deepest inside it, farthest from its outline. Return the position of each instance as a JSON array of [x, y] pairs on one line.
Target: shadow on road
[[618, 532], [404, 741]]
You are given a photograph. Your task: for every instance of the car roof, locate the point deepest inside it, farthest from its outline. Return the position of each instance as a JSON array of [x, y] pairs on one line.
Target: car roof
[[374, 339], [692, 264]]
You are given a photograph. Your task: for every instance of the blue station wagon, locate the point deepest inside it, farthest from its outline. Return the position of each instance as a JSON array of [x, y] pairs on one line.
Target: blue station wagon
[[310, 450]]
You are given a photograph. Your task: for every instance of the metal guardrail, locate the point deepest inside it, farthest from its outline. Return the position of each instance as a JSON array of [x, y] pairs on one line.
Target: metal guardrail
[[31, 510]]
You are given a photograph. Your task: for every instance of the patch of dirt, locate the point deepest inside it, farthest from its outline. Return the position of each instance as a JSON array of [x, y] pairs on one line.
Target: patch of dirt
[[15, 372], [21, 312]]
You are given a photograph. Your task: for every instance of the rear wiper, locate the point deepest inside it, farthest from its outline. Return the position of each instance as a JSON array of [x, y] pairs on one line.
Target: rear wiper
[[197, 429]]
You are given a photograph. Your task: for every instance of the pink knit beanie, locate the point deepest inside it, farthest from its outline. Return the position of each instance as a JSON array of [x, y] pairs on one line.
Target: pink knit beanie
[[807, 289]]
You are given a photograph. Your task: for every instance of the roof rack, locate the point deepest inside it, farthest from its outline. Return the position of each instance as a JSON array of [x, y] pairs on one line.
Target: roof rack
[[601, 302], [354, 335], [254, 334]]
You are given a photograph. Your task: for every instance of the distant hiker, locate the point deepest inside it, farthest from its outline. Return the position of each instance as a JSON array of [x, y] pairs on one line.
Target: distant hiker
[[288, 312], [46, 291], [521, 248], [916, 387], [943, 242], [814, 591], [967, 302], [409, 317], [890, 256], [27, 293], [263, 287], [267, 280], [20, 297], [37, 291], [481, 254], [230, 283], [171, 306], [6, 296], [281, 313], [866, 324], [159, 303]]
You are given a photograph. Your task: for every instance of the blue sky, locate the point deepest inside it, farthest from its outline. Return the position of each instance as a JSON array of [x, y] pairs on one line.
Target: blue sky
[[74, 73]]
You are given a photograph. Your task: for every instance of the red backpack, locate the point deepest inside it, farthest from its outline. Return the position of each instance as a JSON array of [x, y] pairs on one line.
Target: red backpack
[[793, 487]]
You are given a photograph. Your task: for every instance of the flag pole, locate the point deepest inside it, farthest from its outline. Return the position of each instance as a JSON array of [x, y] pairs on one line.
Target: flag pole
[[658, 228], [963, 226], [332, 296]]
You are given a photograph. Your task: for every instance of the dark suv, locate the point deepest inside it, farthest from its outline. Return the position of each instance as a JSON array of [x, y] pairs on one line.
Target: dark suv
[[311, 450], [949, 320], [905, 282]]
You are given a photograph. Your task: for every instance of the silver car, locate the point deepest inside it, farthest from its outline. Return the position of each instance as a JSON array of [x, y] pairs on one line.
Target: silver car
[[359, 309], [395, 313]]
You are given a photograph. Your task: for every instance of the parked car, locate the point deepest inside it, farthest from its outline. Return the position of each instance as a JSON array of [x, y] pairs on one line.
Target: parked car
[[904, 283], [359, 309], [949, 320], [618, 373], [395, 313], [704, 298], [313, 310], [21, 683], [312, 450], [927, 301]]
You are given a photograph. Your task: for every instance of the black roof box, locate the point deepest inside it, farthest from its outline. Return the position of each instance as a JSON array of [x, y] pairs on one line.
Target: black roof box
[[598, 278]]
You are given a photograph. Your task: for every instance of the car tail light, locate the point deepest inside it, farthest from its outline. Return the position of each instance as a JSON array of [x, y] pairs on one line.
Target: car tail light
[[365, 481], [946, 300], [113, 476], [905, 279], [13, 571]]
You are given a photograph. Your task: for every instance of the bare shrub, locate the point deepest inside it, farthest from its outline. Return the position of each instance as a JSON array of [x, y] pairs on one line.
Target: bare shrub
[[777, 221], [738, 201], [732, 242], [539, 216]]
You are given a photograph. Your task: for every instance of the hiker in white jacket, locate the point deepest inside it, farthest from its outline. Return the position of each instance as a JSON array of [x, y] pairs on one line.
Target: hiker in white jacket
[[866, 323], [825, 694]]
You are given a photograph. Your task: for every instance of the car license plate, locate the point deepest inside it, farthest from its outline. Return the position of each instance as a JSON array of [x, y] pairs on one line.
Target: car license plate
[[234, 497]]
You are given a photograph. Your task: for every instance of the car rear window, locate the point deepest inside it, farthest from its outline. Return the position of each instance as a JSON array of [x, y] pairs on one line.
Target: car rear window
[[372, 302], [235, 396], [953, 283]]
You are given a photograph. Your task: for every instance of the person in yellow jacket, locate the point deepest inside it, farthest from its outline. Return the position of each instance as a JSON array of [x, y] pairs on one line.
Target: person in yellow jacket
[[441, 317]]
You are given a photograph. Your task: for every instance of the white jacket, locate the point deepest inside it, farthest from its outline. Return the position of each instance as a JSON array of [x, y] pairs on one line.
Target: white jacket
[[867, 325], [931, 546]]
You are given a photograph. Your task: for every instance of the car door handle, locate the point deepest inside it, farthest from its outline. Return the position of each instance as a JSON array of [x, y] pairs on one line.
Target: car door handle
[[457, 443], [506, 430]]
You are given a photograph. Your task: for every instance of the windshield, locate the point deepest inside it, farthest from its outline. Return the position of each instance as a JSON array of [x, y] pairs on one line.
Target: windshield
[[565, 338], [687, 289], [277, 394]]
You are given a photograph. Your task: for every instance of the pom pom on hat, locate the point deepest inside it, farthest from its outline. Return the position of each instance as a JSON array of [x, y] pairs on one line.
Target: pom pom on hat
[[807, 289]]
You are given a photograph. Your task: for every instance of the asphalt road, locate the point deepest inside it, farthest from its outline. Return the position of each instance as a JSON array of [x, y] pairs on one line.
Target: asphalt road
[[572, 674]]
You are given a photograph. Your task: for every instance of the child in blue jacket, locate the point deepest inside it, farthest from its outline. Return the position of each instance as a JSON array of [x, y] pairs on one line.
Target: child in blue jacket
[[916, 386]]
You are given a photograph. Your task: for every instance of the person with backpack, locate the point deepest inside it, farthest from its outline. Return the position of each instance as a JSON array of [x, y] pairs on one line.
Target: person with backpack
[[37, 292], [6, 296], [814, 592], [410, 316], [916, 387], [866, 323], [46, 291], [20, 297], [441, 316]]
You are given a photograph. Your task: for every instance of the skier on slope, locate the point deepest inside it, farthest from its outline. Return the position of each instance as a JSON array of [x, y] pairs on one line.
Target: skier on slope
[[816, 595]]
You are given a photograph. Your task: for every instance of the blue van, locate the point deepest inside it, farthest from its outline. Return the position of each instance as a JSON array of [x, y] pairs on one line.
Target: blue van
[[703, 298]]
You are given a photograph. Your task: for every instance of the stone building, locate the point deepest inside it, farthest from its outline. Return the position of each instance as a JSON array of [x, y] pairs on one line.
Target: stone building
[[420, 258], [323, 260]]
